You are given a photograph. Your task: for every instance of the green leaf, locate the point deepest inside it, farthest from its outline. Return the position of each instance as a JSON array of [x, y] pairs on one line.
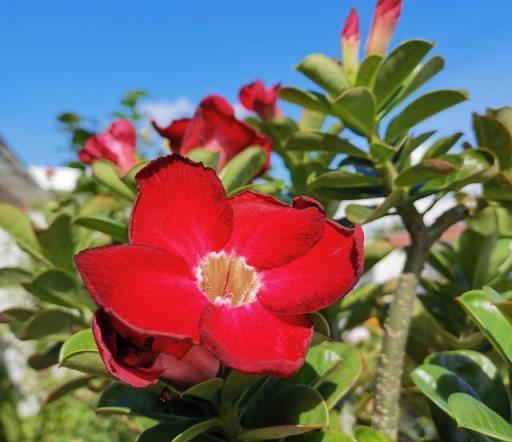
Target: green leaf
[[442, 146], [243, 168], [480, 305], [164, 432], [420, 76], [308, 100], [422, 108], [310, 120], [103, 224], [106, 173], [320, 324], [16, 314], [18, 225], [125, 400], [208, 390], [195, 430], [322, 436], [356, 107], [80, 353], [367, 70], [375, 251], [322, 142], [359, 214], [368, 434], [407, 146], [325, 72], [48, 323], [236, 383], [294, 410], [425, 170], [13, 276], [492, 134], [397, 66], [56, 287], [381, 151], [57, 242], [470, 413], [342, 179], [67, 387], [46, 358], [200, 155], [332, 368]]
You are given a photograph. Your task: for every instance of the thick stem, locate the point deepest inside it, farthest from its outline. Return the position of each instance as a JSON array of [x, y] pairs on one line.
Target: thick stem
[[386, 415]]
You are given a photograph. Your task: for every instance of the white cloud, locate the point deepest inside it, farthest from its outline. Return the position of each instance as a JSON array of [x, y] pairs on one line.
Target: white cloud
[[240, 111], [164, 111]]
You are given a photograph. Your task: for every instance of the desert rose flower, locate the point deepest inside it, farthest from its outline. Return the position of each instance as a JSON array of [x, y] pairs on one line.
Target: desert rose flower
[[116, 144], [214, 127], [257, 98], [350, 40], [139, 359], [385, 19], [238, 275]]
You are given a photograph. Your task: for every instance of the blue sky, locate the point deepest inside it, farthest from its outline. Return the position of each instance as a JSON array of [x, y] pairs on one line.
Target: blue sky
[[83, 55]]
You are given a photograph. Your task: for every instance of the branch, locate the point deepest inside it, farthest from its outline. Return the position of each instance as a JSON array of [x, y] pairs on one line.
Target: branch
[[446, 220]]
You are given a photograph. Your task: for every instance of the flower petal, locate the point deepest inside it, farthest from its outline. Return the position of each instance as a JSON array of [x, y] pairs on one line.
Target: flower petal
[[181, 207], [253, 340], [150, 290], [320, 277], [197, 365], [269, 233], [106, 340], [174, 132]]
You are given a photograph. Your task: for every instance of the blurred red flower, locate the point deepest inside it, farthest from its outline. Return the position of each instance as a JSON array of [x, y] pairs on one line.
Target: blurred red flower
[[257, 98]]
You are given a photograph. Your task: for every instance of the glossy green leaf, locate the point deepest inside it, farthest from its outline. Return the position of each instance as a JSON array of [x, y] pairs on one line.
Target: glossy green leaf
[[322, 142], [493, 135], [397, 66], [359, 214], [369, 434], [320, 324], [420, 76], [18, 225], [49, 323], [294, 410], [480, 305], [322, 436], [79, 352], [16, 314], [425, 170], [407, 146], [442, 146], [129, 177], [342, 179], [473, 415], [13, 276], [382, 151], [311, 121], [197, 429], [243, 168], [57, 242], [66, 388], [367, 70], [125, 400], [165, 431], [200, 155], [106, 173], [306, 99], [46, 358], [356, 107], [422, 108], [103, 224], [325, 72], [236, 383], [208, 390]]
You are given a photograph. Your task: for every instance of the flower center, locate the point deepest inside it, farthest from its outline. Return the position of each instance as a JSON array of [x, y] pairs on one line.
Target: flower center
[[227, 279]]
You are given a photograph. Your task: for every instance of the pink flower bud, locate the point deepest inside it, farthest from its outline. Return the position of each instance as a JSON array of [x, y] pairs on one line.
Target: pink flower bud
[[350, 40], [385, 19]]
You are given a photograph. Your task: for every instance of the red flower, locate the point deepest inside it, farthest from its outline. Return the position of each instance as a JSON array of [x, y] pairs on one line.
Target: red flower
[[350, 40], [238, 275], [116, 144], [256, 97], [385, 19], [214, 127], [139, 360]]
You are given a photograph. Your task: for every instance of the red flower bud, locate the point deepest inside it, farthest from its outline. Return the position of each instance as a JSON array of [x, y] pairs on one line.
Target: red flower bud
[[257, 98], [385, 19], [350, 41], [116, 144], [214, 127]]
